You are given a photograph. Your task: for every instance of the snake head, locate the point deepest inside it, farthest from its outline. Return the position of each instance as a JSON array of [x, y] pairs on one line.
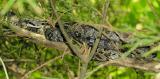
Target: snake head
[[11, 16]]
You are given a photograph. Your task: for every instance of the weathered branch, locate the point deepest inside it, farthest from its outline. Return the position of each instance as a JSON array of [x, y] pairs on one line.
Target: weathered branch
[[143, 65], [127, 62], [37, 38]]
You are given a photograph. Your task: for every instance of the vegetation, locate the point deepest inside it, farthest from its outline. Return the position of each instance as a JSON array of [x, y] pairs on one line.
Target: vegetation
[[23, 58]]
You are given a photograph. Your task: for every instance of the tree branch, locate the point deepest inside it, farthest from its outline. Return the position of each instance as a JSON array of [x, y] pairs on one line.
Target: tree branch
[[37, 38], [127, 62]]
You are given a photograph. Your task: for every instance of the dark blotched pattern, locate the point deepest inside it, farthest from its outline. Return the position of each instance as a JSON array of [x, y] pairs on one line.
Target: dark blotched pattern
[[109, 46]]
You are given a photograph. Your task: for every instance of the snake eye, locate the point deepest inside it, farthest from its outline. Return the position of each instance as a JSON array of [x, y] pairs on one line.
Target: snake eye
[[31, 23], [32, 29]]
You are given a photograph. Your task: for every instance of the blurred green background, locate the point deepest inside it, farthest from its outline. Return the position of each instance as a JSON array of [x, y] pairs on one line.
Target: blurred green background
[[139, 17]]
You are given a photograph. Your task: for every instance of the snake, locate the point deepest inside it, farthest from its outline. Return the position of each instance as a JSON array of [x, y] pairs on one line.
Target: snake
[[110, 45]]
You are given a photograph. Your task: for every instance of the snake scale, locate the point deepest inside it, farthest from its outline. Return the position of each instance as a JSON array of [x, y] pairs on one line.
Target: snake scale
[[109, 47]]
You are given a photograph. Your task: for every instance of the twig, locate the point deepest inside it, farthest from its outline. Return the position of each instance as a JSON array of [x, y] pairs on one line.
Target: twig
[[152, 8], [94, 70], [143, 65], [75, 49], [83, 70], [20, 60], [53, 24], [4, 67], [15, 69], [131, 49], [100, 31], [104, 13], [85, 64], [46, 63], [140, 43], [153, 50]]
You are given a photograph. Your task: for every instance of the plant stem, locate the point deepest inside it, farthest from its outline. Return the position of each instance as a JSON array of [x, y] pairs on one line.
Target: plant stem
[[4, 67], [74, 48], [83, 70]]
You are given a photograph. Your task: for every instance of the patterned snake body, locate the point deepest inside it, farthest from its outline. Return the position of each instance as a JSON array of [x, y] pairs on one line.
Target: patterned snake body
[[110, 45]]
